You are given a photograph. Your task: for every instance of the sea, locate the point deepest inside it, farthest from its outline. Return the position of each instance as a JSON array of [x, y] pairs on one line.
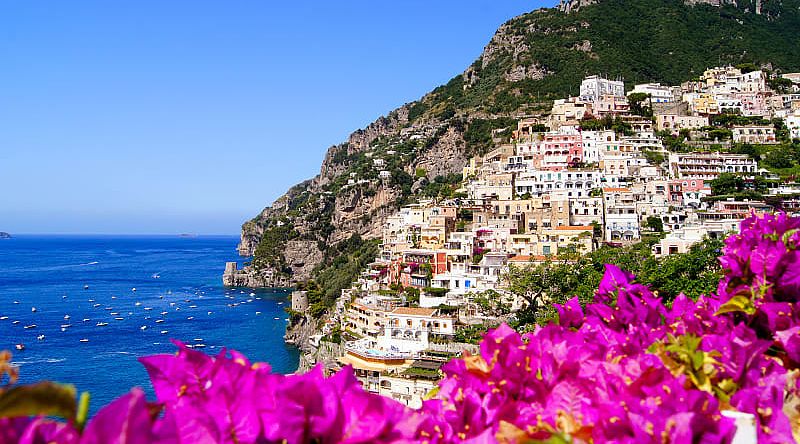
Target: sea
[[85, 308]]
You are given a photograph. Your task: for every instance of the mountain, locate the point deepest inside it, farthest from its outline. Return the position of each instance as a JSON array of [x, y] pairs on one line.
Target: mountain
[[326, 228]]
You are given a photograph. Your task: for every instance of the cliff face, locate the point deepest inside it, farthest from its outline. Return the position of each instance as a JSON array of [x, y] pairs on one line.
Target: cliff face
[[530, 60]]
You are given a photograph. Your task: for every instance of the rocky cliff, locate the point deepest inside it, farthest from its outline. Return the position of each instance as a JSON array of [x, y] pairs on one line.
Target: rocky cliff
[[415, 150]]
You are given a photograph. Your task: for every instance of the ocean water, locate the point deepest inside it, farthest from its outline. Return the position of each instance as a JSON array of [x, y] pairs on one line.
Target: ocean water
[[177, 282]]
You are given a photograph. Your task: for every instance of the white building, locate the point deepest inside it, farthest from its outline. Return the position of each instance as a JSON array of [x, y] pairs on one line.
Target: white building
[[762, 134], [709, 165], [658, 93], [594, 87], [793, 124]]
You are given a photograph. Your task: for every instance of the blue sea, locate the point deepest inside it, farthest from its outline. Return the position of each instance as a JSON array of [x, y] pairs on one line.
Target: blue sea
[[62, 287]]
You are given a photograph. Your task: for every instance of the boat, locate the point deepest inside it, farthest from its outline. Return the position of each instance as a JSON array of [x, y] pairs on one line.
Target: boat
[[193, 306], [85, 287], [15, 322], [190, 318], [16, 302], [113, 297], [163, 332], [114, 313], [158, 321], [119, 319], [96, 305], [143, 328], [137, 303], [133, 289], [199, 346], [28, 327], [66, 317], [198, 339], [40, 337], [148, 308], [33, 309], [163, 313], [84, 340], [91, 300], [101, 324], [66, 325], [20, 346], [3, 318], [86, 319], [252, 294], [258, 313]]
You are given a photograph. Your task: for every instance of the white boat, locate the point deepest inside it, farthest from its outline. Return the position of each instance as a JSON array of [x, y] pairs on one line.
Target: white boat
[[15, 322], [133, 289], [20, 347], [113, 297], [101, 324], [28, 327], [252, 294], [66, 317], [119, 319], [96, 305], [86, 319], [199, 346], [148, 308], [66, 325], [91, 300], [84, 340], [198, 339], [193, 306], [114, 313], [158, 321], [258, 313], [190, 318], [33, 309], [40, 337], [3, 318], [143, 328], [137, 304], [163, 332], [163, 313]]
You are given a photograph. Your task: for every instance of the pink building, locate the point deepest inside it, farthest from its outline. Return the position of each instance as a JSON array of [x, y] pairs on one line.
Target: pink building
[[559, 150]]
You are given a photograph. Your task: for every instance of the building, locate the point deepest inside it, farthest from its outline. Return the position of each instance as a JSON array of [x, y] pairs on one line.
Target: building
[[760, 134], [709, 165], [793, 125], [675, 122], [620, 216], [593, 87], [658, 93]]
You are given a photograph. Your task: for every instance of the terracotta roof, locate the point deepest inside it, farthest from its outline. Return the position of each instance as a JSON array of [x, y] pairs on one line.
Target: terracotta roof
[[414, 311], [611, 190], [576, 227]]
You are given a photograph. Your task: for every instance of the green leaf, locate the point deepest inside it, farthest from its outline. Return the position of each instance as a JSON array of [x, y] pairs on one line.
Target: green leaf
[[737, 303], [431, 394], [83, 410], [43, 398]]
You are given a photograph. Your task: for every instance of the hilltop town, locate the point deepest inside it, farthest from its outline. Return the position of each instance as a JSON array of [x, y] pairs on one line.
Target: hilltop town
[[604, 169]]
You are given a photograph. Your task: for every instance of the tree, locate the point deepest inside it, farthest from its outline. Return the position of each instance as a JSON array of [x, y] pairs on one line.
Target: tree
[[491, 303], [655, 224], [640, 104], [727, 183], [779, 157]]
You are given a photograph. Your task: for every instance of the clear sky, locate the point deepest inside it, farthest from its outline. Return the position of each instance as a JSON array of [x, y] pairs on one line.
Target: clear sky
[[191, 116]]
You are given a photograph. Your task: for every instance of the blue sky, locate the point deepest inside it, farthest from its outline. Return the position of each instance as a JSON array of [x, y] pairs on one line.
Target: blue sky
[[191, 116]]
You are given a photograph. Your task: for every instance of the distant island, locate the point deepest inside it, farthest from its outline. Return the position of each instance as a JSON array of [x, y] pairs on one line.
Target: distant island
[[4, 235]]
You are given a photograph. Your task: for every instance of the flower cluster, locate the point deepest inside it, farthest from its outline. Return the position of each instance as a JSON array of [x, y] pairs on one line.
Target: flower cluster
[[624, 369]]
